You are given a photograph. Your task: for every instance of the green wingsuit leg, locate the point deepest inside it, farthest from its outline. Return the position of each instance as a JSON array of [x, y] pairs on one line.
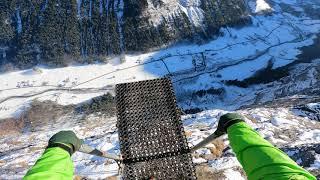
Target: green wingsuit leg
[[55, 163], [259, 158]]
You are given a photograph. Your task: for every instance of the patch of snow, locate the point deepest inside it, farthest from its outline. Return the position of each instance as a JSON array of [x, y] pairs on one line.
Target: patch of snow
[[203, 151], [259, 6], [278, 121], [277, 141], [287, 56], [198, 160], [314, 106], [193, 11], [316, 163], [224, 163], [172, 8], [311, 136], [262, 6], [233, 175], [260, 117], [266, 133], [69, 98], [174, 65], [244, 70]]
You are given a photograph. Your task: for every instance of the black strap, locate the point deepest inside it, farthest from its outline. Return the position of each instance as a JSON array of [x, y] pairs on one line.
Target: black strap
[[67, 148]]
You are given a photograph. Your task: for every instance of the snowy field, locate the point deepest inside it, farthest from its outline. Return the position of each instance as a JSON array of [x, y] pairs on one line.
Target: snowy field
[[236, 55]]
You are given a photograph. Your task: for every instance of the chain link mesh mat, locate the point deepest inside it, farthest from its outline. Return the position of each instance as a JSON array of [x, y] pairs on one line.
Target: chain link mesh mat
[[152, 139]]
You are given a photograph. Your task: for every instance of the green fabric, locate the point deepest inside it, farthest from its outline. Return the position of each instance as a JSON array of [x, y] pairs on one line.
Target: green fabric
[[54, 164], [231, 116], [67, 137], [226, 121], [260, 159]]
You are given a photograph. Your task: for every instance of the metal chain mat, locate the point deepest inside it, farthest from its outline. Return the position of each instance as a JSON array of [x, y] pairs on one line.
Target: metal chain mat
[[152, 139]]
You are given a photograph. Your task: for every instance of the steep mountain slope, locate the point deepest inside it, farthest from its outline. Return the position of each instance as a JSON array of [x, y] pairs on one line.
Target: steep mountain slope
[[57, 32], [158, 23], [298, 136]]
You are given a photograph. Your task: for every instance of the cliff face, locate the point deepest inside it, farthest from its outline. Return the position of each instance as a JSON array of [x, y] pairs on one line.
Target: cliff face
[[57, 31]]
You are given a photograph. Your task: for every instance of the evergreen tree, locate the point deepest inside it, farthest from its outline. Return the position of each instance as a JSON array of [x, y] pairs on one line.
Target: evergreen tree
[[26, 47], [164, 32], [129, 32], [212, 16], [114, 33], [105, 44], [186, 28], [6, 24], [7, 32], [88, 29], [71, 33], [183, 26], [134, 28], [50, 34]]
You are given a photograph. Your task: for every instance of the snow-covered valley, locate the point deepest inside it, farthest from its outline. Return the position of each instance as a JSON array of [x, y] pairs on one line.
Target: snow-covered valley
[[237, 71]]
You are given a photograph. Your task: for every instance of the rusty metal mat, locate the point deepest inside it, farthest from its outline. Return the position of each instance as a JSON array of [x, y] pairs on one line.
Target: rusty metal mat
[[152, 138]]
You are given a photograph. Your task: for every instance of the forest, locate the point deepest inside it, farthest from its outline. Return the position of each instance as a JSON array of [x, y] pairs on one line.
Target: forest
[[57, 32]]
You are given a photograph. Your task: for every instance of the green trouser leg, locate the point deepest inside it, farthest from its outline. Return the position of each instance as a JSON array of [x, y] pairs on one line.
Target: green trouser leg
[[54, 164], [260, 159]]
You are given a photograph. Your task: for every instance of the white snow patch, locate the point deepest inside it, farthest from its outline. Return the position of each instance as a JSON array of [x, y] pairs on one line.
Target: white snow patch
[[233, 175], [259, 6], [316, 164], [311, 136], [277, 141], [224, 163], [203, 151], [314, 106], [198, 160], [244, 70], [266, 133], [278, 121], [192, 9], [260, 117]]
